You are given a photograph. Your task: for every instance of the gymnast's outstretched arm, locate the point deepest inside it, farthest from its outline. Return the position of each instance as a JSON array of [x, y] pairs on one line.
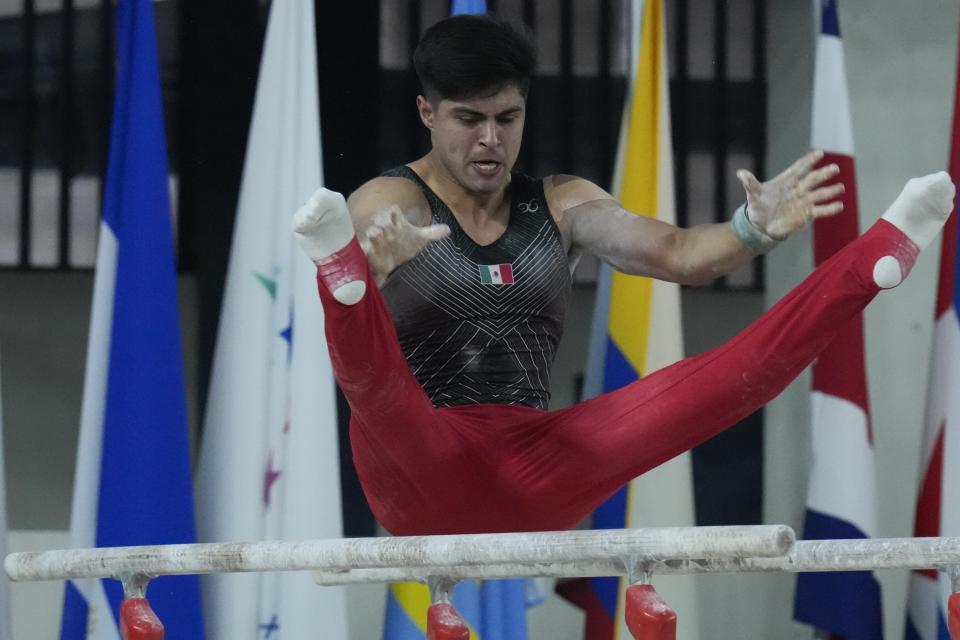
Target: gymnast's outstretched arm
[[594, 222]]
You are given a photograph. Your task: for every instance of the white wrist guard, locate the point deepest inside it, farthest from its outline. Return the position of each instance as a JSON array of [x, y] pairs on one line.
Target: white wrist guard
[[757, 241]]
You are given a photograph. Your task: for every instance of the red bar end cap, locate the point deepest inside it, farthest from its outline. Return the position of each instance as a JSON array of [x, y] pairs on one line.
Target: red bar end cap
[[138, 621], [649, 617]]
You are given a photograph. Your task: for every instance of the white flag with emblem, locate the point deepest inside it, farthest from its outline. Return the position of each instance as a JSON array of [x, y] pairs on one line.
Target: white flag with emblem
[[269, 459]]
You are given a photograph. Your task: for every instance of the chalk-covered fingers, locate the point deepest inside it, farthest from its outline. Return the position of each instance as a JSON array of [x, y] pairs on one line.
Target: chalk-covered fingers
[[794, 198], [391, 239], [824, 201], [801, 167]]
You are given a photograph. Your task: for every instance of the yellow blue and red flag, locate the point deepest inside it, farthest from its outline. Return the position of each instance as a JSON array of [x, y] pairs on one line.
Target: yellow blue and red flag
[[637, 330]]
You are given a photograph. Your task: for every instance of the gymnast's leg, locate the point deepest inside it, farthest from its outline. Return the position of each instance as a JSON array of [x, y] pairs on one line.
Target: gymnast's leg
[[555, 467], [399, 445], [620, 435]]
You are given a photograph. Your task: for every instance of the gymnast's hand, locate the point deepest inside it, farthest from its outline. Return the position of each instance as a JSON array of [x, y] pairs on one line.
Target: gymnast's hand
[[793, 199], [391, 240]]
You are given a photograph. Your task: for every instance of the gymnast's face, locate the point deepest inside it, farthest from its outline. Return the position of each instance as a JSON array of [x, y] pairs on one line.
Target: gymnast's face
[[476, 140]]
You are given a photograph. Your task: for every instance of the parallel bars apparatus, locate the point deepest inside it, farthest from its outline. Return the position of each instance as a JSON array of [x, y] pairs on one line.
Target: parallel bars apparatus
[[441, 561], [413, 552]]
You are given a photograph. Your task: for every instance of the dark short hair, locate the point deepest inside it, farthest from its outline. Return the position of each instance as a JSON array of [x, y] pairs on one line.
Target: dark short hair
[[467, 56]]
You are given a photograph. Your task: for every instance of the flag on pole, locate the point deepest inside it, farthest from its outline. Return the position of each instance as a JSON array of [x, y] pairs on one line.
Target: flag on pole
[[269, 461], [132, 483], [938, 505], [493, 609], [637, 330], [4, 582], [841, 497]]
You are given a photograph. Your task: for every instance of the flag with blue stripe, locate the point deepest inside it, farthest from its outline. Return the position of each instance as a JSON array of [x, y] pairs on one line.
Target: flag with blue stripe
[[938, 505], [133, 484], [841, 497], [636, 329]]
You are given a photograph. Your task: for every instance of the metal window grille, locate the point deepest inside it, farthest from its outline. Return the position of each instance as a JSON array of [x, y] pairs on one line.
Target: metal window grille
[[56, 84]]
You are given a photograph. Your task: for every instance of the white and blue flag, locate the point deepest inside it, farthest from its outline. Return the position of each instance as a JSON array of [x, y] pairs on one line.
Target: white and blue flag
[[132, 483]]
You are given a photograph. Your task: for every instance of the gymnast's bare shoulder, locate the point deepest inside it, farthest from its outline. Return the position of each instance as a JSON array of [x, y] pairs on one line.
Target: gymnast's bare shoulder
[[565, 193], [381, 194]]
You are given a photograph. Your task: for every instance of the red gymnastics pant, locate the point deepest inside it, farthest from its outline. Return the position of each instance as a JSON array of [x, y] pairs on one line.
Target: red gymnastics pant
[[491, 468]]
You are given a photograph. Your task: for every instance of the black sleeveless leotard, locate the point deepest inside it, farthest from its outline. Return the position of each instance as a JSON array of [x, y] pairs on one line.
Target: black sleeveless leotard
[[481, 324]]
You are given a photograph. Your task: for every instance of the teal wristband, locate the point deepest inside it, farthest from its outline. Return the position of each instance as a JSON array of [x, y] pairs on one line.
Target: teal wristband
[[757, 241]]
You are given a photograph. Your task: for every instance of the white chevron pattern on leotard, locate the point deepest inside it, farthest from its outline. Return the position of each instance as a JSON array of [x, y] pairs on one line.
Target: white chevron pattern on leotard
[[469, 342]]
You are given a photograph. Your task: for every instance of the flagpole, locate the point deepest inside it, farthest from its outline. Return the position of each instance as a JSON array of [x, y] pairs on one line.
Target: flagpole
[[5, 624]]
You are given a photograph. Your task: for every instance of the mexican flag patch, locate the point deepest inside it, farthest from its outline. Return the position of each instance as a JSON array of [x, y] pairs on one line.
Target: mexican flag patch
[[496, 273]]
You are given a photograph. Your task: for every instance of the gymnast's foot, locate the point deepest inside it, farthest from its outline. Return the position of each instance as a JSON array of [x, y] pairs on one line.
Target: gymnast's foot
[[324, 231], [919, 212]]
